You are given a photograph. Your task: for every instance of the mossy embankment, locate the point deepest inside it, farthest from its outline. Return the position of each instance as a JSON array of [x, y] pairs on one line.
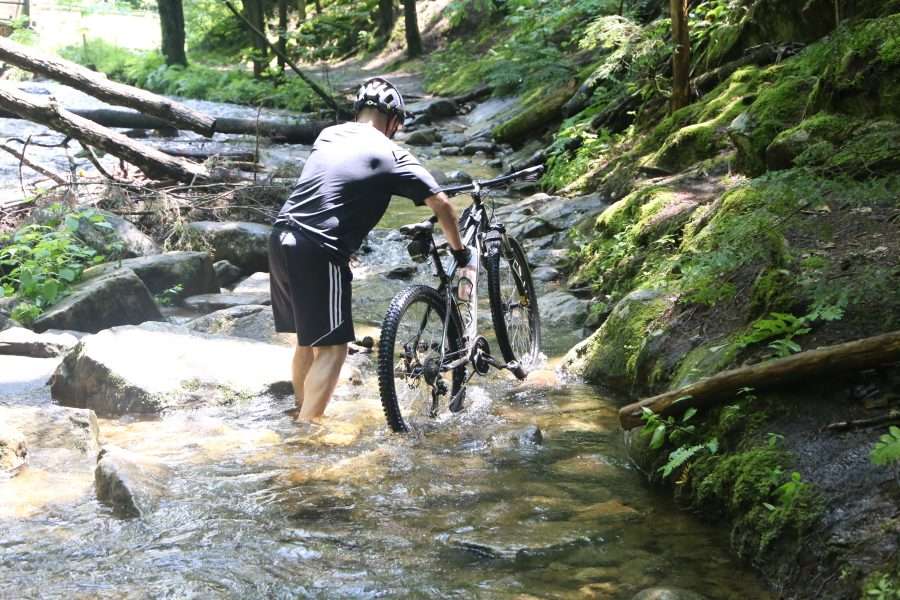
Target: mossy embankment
[[761, 220]]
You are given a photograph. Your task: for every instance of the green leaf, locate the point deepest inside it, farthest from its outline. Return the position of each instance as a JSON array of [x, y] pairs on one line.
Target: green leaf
[[659, 437], [49, 291], [677, 458], [688, 414], [712, 445], [768, 506], [67, 275]]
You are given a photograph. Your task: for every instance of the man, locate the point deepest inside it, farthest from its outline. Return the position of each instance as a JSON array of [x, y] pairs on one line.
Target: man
[[342, 193]]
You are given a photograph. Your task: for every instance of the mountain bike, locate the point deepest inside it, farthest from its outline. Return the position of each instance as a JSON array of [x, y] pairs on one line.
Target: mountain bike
[[430, 335]]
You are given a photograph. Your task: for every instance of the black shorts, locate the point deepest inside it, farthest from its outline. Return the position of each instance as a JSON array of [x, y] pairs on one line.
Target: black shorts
[[310, 292]]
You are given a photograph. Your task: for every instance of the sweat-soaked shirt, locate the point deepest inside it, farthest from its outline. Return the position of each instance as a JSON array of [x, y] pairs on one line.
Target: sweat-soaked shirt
[[346, 185]]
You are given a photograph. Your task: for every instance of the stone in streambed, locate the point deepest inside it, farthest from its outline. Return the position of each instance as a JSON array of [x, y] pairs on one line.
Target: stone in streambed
[[667, 593], [118, 298], [54, 427], [207, 303], [131, 484], [13, 450], [193, 271], [530, 436], [252, 321], [521, 541], [106, 232], [156, 366], [423, 137], [24, 342], [256, 283], [562, 309], [226, 273], [243, 244], [545, 274], [404, 273]]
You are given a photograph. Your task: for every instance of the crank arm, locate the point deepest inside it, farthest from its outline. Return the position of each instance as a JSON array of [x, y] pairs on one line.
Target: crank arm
[[512, 366]]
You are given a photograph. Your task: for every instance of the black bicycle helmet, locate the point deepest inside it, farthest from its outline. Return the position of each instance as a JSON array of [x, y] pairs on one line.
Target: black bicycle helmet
[[381, 94]]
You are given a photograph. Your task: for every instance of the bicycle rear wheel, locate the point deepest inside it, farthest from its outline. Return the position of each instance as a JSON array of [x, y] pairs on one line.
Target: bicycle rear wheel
[[409, 355], [514, 306]]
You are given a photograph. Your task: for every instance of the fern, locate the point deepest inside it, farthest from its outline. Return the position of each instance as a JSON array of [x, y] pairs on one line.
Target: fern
[[678, 457], [887, 449]]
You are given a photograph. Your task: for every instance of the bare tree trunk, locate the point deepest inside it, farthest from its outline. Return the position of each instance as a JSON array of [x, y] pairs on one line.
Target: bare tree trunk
[[100, 87], [318, 8], [171, 21], [413, 39], [282, 33], [253, 12], [152, 162], [301, 10], [681, 56], [385, 18]]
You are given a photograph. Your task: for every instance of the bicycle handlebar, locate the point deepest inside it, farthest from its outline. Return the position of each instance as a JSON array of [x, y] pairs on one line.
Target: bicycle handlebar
[[530, 173]]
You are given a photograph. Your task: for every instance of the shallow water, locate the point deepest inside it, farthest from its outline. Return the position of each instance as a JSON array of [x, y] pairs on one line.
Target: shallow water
[[258, 506]]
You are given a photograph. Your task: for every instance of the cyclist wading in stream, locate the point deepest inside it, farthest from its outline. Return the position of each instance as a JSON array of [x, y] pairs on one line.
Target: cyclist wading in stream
[[342, 193]]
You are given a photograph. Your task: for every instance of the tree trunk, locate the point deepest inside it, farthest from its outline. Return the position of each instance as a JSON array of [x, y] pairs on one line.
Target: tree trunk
[[318, 8], [171, 21], [385, 18], [413, 39], [681, 55], [301, 10], [282, 33], [253, 12], [852, 356], [100, 87], [152, 162]]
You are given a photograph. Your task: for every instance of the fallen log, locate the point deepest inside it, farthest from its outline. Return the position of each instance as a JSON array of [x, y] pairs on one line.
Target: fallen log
[[201, 155], [99, 86], [829, 360], [152, 162], [277, 131], [33, 166]]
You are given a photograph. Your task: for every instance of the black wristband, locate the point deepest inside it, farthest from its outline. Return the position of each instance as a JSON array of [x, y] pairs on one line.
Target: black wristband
[[462, 256]]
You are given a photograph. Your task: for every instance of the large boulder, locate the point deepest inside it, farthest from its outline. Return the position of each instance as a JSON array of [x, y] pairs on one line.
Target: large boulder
[[157, 366], [245, 245], [24, 342], [253, 321], [117, 298], [193, 271], [131, 484]]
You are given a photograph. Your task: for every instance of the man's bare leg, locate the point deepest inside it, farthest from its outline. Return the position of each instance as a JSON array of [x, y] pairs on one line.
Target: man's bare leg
[[303, 359], [321, 380]]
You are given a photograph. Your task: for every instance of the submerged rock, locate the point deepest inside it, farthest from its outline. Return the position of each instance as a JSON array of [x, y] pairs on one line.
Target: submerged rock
[[118, 298], [667, 593], [522, 541], [243, 244], [132, 485], [156, 366], [24, 342], [207, 303], [193, 271], [530, 436], [252, 321]]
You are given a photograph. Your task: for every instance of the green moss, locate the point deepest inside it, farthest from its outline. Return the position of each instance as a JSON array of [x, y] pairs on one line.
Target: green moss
[[538, 108], [706, 359]]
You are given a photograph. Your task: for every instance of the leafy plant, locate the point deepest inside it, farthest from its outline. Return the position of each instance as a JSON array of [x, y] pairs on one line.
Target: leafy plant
[[785, 327], [168, 296], [883, 588], [886, 451], [679, 433]]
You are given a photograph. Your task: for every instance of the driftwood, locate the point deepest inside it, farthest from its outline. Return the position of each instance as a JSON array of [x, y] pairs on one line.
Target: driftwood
[[200, 155], [277, 131], [33, 166], [891, 418], [830, 360], [152, 162], [100, 87]]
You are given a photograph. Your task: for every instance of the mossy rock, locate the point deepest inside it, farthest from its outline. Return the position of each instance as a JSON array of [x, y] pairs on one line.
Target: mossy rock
[[536, 110], [610, 355]]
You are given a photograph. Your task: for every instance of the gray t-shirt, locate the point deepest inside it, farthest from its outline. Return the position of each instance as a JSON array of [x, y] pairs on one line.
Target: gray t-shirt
[[346, 185]]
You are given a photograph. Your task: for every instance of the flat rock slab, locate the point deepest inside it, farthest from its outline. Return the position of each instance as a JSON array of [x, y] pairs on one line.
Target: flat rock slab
[[243, 244], [207, 303], [131, 484], [193, 271], [156, 366], [256, 283], [24, 342], [253, 321], [523, 541], [117, 298]]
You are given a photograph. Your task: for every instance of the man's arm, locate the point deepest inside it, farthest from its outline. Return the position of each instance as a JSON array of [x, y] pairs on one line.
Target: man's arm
[[446, 215]]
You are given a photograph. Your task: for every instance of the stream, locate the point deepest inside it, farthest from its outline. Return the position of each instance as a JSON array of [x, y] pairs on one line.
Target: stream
[[258, 506]]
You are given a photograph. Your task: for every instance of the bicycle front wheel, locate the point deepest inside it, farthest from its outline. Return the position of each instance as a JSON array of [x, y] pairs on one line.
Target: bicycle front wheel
[[514, 306], [414, 393]]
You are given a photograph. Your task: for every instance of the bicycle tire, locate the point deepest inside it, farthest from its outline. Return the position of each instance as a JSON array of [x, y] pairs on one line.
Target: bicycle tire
[[395, 407], [525, 352]]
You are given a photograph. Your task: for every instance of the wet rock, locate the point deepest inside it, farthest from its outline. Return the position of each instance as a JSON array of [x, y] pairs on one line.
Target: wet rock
[[245, 245], [545, 274], [257, 283], [13, 450], [157, 366], [24, 342], [226, 273], [107, 233], [667, 593], [7, 322], [451, 151], [54, 427], [521, 542], [530, 436], [479, 146], [441, 107], [423, 137], [565, 213], [404, 273], [605, 511], [562, 309], [193, 271], [119, 298], [454, 139], [252, 321], [532, 227], [131, 484], [207, 303]]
